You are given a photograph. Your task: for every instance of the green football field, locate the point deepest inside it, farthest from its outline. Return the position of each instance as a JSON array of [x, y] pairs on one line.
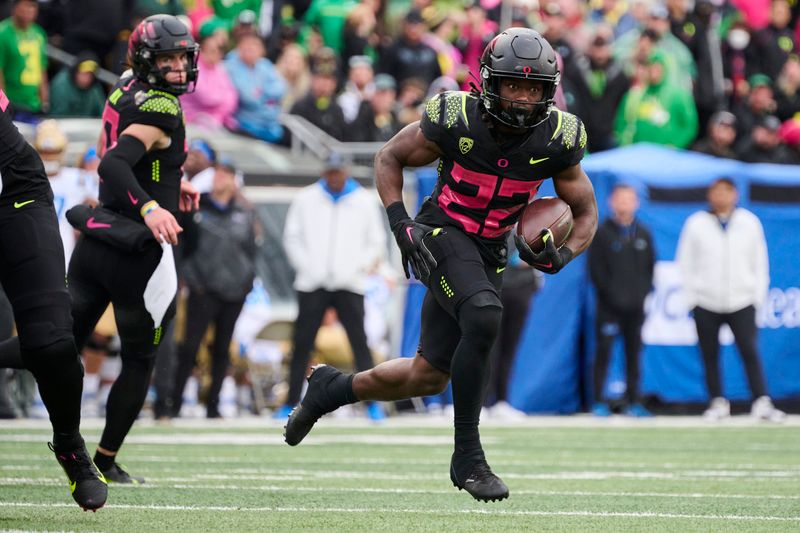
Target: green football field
[[565, 474]]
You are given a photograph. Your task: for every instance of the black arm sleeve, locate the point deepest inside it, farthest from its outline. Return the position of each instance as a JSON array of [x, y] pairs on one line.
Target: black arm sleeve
[[116, 172]]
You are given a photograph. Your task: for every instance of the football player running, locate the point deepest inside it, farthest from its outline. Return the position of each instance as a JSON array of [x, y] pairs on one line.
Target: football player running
[[124, 255], [494, 147]]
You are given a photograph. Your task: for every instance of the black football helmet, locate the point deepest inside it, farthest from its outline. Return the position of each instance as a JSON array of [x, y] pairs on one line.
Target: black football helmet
[[518, 53], [159, 34]]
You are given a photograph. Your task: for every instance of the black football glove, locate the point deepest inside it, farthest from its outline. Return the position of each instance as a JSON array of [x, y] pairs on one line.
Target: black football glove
[[409, 234], [550, 260], [413, 251]]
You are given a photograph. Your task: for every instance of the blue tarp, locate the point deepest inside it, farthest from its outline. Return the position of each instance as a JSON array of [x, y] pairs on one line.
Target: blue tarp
[[557, 344]]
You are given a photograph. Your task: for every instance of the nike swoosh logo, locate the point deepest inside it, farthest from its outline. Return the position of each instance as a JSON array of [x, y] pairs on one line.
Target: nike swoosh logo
[[408, 232], [72, 485], [133, 200], [91, 224], [500, 269], [17, 205], [544, 265], [537, 161]]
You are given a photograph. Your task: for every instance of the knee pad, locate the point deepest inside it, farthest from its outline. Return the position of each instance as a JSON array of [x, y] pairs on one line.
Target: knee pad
[[479, 316], [51, 358]]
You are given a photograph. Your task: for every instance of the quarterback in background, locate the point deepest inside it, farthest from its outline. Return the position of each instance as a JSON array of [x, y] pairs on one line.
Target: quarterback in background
[[494, 147]]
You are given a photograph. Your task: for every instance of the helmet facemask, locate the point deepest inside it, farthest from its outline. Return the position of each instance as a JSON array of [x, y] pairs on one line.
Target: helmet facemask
[[162, 34], [523, 54], [148, 71]]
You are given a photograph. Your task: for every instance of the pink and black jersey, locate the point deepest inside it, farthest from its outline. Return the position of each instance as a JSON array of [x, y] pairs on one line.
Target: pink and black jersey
[[483, 185], [21, 176], [158, 172]]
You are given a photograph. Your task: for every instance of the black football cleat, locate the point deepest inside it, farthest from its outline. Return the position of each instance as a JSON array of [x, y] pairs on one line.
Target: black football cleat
[[315, 404], [88, 486], [116, 474], [481, 482]]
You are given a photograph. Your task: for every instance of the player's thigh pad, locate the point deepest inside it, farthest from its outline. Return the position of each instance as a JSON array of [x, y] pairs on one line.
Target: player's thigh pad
[[460, 271]]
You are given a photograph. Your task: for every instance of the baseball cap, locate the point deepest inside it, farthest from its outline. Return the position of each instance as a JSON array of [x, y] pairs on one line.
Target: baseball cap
[[246, 16], [359, 61], [759, 80], [201, 145], [226, 162], [770, 122], [723, 117], [659, 11], [88, 65], [414, 16], [385, 82], [335, 161]]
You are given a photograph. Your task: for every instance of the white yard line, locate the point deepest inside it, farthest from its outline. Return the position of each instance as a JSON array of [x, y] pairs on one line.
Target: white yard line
[[220, 508], [190, 484]]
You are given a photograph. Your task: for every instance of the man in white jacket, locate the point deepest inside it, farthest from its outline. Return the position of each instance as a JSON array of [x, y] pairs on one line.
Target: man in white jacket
[[334, 238], [722, 255]]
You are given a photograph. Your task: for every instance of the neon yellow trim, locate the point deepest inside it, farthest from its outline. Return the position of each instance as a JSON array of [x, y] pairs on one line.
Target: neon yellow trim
[[437, 231], [558, 126], [464, 108]]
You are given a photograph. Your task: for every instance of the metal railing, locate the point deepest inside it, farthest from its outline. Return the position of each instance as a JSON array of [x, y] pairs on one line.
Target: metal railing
[[306, 138]]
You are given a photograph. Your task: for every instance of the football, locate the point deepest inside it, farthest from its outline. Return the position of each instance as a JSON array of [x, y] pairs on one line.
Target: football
[[548, 212]]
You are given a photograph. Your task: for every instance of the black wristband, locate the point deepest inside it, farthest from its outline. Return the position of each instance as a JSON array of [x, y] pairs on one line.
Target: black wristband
[[397, 214]]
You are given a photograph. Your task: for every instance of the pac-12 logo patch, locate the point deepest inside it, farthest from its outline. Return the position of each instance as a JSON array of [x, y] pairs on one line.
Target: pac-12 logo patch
[[465, 144]]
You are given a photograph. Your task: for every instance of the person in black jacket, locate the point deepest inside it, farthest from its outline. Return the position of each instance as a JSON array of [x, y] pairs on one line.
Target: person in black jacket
[[621, 262], [219, 268], [594, 85]]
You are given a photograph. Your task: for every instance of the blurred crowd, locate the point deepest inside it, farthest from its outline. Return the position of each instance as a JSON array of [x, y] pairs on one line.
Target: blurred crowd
[[716, 76]]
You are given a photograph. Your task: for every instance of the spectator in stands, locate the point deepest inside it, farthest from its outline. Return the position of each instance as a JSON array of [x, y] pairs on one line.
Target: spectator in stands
[[773, 45], [722, 255], [410, 99], [474, 34], [229, 10], [359, 87], [213, 103], [615, 14], [759, 103], [334, 238], [701, 36], [23, 61], [720, 136], [319, 106], [199, 165], [100, 27], [377, 120], [408, 57], [76, 91], [328, 18], [292, 64], [218, 267], [660, 112], [246, 23], [444, 29], [680, 67], [260, 88], [70, 186], [738, 61], [595, 85], [360, 38], [764, 144], [556, 30], [621, 265], [787, 89]]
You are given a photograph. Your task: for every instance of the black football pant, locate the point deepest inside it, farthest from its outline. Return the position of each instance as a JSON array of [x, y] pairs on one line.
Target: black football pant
[[745, 333], [32, 275], [610, 324], [311, 309], [203, 309], [100, 274]]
